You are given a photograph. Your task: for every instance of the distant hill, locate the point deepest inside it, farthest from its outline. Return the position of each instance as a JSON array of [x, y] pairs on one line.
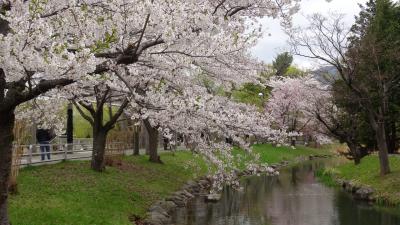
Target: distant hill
[[326, 75]]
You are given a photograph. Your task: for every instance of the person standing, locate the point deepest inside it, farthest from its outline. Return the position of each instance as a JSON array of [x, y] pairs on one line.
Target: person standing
[[43, 137]]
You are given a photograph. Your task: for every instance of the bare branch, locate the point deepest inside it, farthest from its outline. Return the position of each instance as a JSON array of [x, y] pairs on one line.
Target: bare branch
[[110, 124], [82, 113]]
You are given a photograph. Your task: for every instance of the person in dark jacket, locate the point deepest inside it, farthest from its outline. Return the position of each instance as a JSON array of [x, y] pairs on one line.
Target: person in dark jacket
[[43, 137]]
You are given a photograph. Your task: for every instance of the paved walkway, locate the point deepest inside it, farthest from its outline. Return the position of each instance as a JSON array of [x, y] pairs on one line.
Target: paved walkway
[[59, 156]]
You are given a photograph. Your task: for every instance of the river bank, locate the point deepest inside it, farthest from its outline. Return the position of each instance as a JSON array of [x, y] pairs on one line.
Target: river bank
[[364, 181], [70, 193]]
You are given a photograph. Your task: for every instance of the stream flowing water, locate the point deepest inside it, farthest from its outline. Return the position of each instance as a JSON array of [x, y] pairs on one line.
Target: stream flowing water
[[295, 197]]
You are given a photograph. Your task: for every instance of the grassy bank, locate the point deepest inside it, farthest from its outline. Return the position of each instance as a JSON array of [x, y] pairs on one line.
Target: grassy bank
[[270, 154], [71, 193], [387, 188]]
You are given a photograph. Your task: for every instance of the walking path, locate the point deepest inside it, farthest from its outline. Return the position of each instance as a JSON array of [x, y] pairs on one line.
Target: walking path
[[34, 159]]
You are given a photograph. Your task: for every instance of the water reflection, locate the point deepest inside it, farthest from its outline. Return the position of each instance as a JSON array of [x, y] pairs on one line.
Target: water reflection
[[293, 198]]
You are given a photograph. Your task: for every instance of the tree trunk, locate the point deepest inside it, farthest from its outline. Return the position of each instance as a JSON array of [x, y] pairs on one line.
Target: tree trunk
[[70, 127], [378, 124], [153, 142], [383, 150], [153, 146], [136, 148], [293, 142], [165, 142], [354, 152], [7, 120], [357, 161], [357, 155], [99, 148]]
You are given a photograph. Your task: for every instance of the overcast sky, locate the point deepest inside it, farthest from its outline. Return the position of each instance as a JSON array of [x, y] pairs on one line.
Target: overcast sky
[[275, 40]]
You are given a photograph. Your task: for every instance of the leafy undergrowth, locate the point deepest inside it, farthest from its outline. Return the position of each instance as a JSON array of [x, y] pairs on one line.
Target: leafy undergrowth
[[387, 188], [71, 193]]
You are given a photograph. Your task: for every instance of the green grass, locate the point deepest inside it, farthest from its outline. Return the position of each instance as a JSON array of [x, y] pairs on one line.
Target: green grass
[[327, 176], [367, 174], [71, 193], [270, 154]]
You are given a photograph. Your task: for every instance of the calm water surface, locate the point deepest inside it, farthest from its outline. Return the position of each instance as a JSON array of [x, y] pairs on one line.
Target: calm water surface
[[293, 198]]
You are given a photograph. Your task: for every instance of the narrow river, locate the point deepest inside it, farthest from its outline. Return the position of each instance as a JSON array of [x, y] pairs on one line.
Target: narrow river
[[293, 198]]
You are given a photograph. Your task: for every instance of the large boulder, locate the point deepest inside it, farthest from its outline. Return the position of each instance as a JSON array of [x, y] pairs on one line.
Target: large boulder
[[364, 193]]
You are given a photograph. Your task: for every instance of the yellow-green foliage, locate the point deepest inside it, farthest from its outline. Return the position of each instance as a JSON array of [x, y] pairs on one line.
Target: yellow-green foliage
[[250, 94], [82, 128]]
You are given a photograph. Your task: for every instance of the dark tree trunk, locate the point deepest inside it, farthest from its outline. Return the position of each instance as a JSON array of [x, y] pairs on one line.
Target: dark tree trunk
[[383, 150], [70, 127], [99, 149], [99, 141], [378, 124], [7, 120], [153, 146], [153, 142], [136, 146], [100, 130], [355, 150], [293, 142], [357, 161], [165, 142]]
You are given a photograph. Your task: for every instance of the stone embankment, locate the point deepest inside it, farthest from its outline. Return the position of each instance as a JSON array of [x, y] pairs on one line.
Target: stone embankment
[[359, 192]]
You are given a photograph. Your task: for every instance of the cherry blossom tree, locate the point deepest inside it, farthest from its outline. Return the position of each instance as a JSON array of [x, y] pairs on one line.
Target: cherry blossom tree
[[292, 105], [34, 60], [212, 41], [91, 107], [205, 120], [311, 108], [343, 122], [46, 45]]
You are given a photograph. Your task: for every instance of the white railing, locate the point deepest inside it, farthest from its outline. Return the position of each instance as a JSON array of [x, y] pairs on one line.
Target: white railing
[[31, 154], [63, 140]]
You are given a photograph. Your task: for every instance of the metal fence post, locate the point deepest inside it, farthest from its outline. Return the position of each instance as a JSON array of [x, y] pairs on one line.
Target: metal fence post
[[30, 154], [65, 152]]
